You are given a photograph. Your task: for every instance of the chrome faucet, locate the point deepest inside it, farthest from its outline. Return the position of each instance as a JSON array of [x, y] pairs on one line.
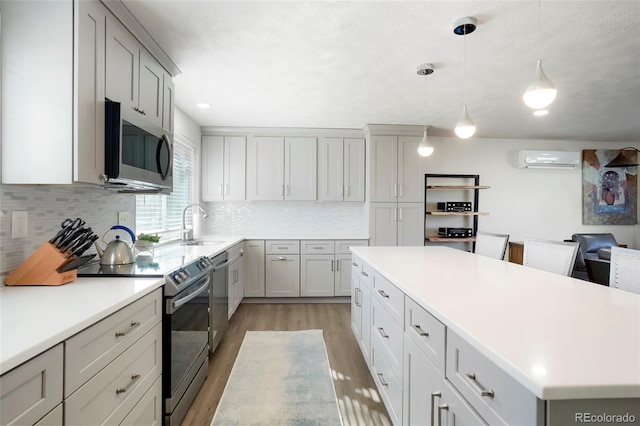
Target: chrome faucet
[[187, 234]]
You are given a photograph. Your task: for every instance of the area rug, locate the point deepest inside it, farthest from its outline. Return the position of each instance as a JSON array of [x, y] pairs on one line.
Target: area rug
[[280, 378]]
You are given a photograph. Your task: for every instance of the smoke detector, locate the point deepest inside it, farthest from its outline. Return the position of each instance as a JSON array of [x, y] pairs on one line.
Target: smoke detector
[[425, 69], [465, 25]]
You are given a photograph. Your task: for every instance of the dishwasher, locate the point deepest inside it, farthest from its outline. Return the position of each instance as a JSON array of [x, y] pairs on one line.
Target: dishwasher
[[218, 299]]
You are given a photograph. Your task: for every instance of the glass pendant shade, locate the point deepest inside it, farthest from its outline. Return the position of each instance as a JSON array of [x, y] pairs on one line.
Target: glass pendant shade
[[541, 93], [465, 127], [424, 149]]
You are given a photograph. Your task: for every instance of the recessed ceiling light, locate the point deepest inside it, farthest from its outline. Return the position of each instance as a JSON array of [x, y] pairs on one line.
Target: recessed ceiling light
[[203, 105], [540, 112]]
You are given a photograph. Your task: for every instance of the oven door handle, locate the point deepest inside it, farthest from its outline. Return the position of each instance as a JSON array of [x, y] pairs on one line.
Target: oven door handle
[[174, 305], [227, 263]]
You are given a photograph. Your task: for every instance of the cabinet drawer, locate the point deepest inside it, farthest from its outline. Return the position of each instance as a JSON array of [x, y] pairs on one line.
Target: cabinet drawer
[[388, 384], [112, 393], [426, 332], [149, 410], [91, 350], [282, 247], [505, 401], [31, 390], [317, 247], [342, 246], [389, 296], [54, 418], [389, 334], [234, 251]]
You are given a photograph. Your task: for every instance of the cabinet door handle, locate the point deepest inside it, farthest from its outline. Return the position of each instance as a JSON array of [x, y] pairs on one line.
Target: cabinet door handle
[[134, 377], [134, 324], [288, 190], [441, 408], [483, 391], [337, 265], [383, 294], [332, 265], [347, 190], [364, 273], [420, 331], [282, 258], [221, 193], [395, 189], [434, 395], [382, 333], [400, 186], [400, 218], [341, 189], [226, 189], [395, 214], [382, 382]]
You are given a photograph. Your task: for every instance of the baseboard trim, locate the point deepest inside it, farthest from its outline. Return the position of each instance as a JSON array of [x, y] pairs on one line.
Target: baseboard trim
[[344, 299]]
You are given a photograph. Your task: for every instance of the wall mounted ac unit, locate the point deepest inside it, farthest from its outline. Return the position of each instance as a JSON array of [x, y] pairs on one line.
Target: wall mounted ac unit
[[548, 159]]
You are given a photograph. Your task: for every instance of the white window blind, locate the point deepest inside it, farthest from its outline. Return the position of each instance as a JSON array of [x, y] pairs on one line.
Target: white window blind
[[162, 214]]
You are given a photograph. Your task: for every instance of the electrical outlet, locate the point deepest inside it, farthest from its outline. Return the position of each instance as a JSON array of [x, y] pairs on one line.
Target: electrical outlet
[[19, 224], [124, 219]]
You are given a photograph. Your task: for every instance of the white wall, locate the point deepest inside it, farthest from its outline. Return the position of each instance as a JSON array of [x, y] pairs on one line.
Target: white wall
[[538, 203]]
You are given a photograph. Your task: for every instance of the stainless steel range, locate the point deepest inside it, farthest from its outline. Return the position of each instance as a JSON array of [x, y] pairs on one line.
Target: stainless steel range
[[195, 300]]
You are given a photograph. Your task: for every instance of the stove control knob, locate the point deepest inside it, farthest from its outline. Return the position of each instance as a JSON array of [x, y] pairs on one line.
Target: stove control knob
[[178, 277]]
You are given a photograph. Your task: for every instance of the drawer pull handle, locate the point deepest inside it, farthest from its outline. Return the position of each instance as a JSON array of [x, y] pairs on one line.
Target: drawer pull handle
[[483, 391], [364, 273], [434, 395], [382, 382], [354, 264], [282, 258], [318, 247], [283, 248], [441, 408], [383, 294], [134, 377], [382, 333], [420, 331], [134, 324]]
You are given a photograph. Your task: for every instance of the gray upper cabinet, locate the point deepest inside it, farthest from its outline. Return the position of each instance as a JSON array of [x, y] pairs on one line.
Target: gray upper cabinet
[[53, 92], [341, 169]]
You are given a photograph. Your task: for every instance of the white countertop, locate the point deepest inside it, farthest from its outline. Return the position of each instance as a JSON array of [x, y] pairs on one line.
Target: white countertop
[[36, 318], [560, 337]]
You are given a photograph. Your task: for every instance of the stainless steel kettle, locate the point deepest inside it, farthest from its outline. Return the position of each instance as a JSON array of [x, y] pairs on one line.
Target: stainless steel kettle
[[117, 251]]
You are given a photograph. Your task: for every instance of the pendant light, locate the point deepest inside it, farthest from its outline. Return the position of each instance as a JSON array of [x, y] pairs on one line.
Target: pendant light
[[542, 92], [463, 26], [425, 149]]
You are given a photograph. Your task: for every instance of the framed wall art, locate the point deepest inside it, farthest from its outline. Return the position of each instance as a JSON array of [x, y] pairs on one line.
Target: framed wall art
[[609, 194]]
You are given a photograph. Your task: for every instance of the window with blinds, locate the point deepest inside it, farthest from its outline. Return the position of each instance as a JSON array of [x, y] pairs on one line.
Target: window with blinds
[[162, 214]]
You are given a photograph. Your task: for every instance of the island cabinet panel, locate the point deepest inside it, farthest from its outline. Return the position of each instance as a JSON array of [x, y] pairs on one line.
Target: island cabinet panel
[[33, 389], [426, 332], [498, 397]]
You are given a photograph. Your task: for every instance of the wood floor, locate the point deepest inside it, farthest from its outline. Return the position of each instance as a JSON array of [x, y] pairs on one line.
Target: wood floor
[[358, 399]]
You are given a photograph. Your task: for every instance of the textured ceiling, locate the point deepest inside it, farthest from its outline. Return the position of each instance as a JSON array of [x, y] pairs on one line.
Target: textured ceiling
[[345, 64]]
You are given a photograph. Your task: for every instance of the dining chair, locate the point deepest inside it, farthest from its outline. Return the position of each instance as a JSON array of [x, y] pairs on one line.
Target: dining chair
[[624, 272], [492, 245], [552, 256]]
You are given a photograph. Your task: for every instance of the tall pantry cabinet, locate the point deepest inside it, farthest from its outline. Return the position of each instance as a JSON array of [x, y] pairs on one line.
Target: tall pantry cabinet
[[396, 209]]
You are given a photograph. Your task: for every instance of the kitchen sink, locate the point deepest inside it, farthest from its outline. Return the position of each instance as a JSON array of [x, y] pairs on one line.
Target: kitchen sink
[[201, 243]]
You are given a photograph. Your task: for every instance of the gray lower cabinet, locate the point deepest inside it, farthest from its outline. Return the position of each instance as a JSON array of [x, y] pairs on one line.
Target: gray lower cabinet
[[254, 268], [31, 390], [112, 374], [282, 275]]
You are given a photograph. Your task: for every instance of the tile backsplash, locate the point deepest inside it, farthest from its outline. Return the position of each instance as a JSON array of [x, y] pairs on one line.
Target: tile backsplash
[[47, 207], [286, 218]]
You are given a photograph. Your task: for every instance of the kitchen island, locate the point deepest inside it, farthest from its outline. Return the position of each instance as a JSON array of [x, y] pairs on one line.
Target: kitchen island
[[561, 347]]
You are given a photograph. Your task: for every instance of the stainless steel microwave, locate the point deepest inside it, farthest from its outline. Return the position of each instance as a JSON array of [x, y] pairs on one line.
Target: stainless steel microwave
[[138, 156]]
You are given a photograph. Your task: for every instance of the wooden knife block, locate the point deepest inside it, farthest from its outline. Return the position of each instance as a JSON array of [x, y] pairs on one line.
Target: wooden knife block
[[40, 268]]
